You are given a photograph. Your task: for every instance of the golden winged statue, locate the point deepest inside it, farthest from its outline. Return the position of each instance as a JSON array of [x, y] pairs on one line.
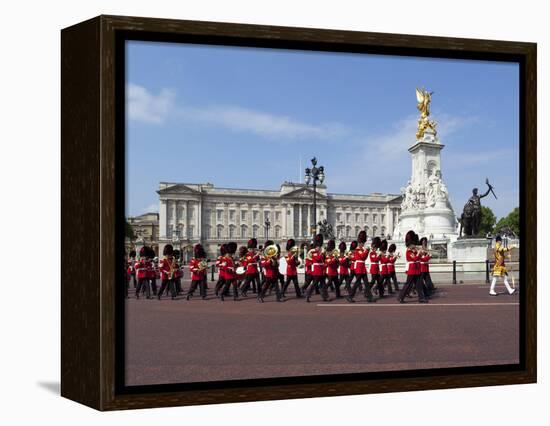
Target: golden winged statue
[[424, 98]]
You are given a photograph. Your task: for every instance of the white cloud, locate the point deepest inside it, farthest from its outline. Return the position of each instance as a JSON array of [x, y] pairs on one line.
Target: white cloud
[[152, 108], [146, 107]]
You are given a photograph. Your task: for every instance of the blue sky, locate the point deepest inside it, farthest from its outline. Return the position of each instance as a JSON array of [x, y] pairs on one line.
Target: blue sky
[[246, 118]]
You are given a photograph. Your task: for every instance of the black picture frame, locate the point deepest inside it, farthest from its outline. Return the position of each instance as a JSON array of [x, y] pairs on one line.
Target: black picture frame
[[93, 152]]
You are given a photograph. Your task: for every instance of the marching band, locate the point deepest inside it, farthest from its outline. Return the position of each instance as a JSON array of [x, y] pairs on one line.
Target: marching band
[[325, 268]]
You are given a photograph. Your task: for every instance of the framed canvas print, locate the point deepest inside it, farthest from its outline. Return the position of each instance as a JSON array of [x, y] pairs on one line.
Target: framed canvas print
[[254, 212]]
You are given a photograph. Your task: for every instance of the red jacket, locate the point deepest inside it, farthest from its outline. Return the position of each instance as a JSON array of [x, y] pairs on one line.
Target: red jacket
[[221, 269], [332, 265], [359, 258], [141, 269], [318, 264], [344, 263], [307, 269], [412, 259], [165, 265], [291, 265], [228, 265], [391, 263], [384, 260], [196, 274], [425, 262], [251, 263], [270, 267], [374, 262]]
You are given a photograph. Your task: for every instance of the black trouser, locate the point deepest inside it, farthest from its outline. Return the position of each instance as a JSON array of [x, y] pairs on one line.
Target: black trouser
[[268, 284], [413, 281], [334, 282], [307, 282], [318, 281], [177, 282], [427, 283], [154, 286], [361, 278], [253, 279], [386, 280], [134, 280], [294, 280], [169, 286], [393, 278], [200, 285], [346, 280], [219, 285], [143, 284], [227, 285], [376, 279]]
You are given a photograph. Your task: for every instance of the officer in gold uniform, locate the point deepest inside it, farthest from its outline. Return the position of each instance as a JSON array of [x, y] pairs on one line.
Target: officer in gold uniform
[[499, 270]]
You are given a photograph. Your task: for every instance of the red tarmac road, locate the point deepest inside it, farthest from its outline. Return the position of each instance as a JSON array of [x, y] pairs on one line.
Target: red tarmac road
[[193, 341]]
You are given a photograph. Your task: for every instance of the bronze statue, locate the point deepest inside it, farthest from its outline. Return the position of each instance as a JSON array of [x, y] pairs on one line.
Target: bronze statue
[[424, 123], [471, 215]]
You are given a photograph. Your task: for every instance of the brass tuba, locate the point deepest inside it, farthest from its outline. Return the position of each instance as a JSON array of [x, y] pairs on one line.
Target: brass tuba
[[271, 251]]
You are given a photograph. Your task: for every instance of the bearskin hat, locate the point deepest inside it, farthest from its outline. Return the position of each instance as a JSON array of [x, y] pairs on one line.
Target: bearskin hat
[[197, 249], [375, 242], [318, 240], [342, 246], [410, 238], [268, 243], [242, 251], [289, 244], [498, 239], [252, 243], [311, 246], [331, 245], [177, 254], [200, 253], [143, 252], [384, 245], [132, 253], [223, 249], [151, 253], [423, 240], [392, 248], [416, 239], [231, 247], [353, 245], [168, 250], [362, 237]]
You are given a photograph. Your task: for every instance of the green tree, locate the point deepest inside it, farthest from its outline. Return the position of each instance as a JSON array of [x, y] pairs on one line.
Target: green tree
[[488, 220], [130, 234], [511, 221]]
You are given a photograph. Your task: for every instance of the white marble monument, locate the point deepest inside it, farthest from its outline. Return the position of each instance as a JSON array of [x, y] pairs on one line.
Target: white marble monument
[[426, 207]]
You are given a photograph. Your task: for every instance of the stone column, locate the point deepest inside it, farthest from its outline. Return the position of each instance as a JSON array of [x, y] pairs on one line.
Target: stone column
[[199, 219], [162, 219], [300, 228]]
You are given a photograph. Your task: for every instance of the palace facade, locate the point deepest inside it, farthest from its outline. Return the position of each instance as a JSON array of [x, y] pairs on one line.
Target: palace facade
[[193, 213]]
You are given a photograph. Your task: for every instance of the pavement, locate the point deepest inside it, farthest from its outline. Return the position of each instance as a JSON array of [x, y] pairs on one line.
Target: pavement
[[176, 341]]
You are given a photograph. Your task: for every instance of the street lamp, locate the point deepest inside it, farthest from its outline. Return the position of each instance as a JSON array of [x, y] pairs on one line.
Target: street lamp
[[267, 224], [314, 175], [176, 239]]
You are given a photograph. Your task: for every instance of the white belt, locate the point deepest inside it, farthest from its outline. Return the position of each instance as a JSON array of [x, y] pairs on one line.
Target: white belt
[[423, 263], [318, 264], [359, 261]]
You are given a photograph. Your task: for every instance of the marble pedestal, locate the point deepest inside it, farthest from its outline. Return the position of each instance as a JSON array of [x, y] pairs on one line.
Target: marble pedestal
[[469, 250]]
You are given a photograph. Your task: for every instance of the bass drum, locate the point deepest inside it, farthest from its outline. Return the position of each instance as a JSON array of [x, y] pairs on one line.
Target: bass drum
[[240, 272], [282, 266]]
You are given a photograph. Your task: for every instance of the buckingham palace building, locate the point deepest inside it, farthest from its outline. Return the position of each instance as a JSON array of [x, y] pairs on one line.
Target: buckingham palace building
[[191, 213]]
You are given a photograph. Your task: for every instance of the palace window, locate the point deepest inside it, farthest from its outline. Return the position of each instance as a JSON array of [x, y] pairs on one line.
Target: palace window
[[219, 231], [348, 217], [255, 215], [231, 214], [255, 231], [382, 218], [277, 216], [357, 217], [243, 214], [231, 231], [244, 231], [219, 215], [338, 217]]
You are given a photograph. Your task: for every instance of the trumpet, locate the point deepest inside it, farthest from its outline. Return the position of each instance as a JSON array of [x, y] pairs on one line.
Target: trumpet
[[335, 252], [294, 250], [172, 271], [309, 254], [203, 265]]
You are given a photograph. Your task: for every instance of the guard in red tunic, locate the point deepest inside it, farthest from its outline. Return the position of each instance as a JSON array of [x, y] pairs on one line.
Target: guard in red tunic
[[167, 267], [413, 270], [426, 279], [360, 255], [271, 271], [221, 273], [351, 256], [230, 275], [392, 257], [252, 274], [197, 269], [344, 262], [179, 272], [308, 278], [374, 257], [292, 262], [384, 271], [331, 264], [240, 270], [141, 267], [156, 274], [127, 275], [318, 270], [131, 263]]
